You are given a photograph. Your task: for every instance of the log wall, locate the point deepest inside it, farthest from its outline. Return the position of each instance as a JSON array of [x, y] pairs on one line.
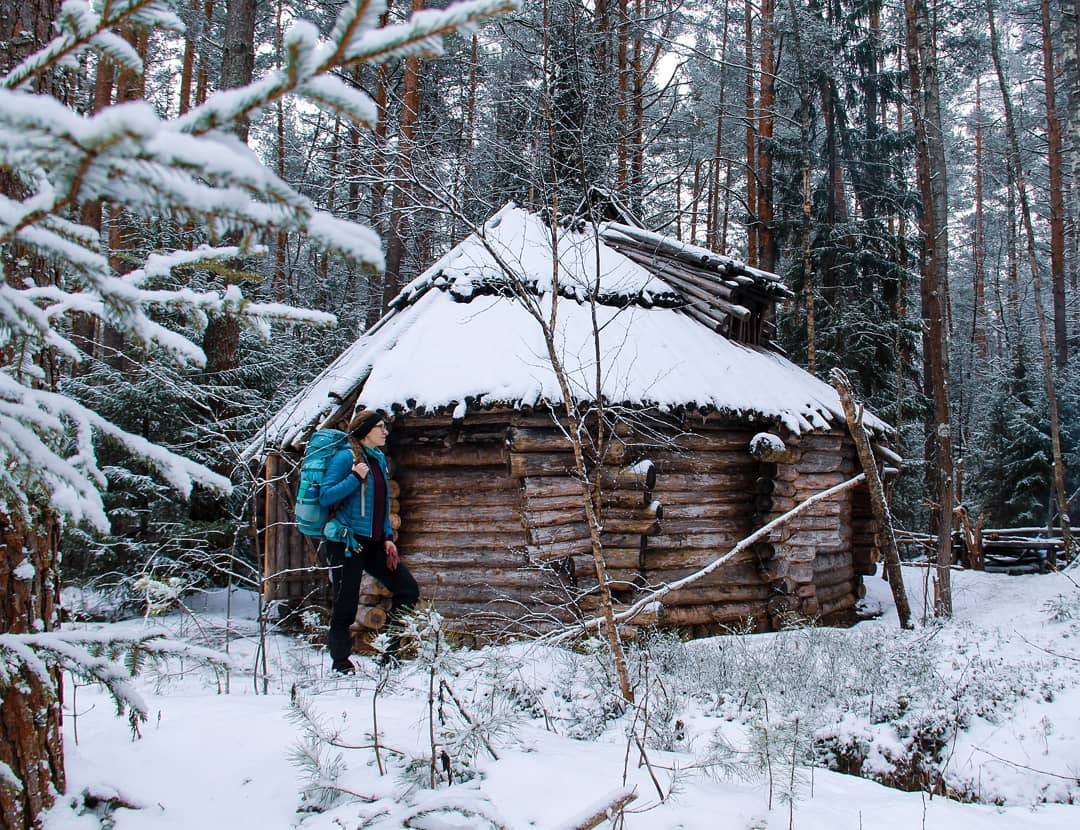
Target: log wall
[[493, 526]]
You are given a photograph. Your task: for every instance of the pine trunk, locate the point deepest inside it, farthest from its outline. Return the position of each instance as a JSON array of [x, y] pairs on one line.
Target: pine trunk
[[766, 101], [31, 741], [930, 155], [978, 323], [30, 711], [221, 340], [1057, 200], [749, 113], [395, 240], [1036, 284]]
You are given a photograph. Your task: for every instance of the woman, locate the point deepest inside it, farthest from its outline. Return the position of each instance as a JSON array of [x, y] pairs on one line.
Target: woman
[[356, 489]]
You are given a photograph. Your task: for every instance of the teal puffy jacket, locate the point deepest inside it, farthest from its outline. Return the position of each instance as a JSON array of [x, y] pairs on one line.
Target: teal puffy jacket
[[355, 500]]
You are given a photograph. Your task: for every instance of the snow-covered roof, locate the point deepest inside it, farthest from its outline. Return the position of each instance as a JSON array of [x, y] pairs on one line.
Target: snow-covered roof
[[459, 335]]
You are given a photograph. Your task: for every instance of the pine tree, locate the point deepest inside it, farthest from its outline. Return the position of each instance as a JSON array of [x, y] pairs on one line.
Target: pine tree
[[54, 160]]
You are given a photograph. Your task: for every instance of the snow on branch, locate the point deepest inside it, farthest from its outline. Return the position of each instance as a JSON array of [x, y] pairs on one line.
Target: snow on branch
[[191, 170], [93, 656], [81, 28]]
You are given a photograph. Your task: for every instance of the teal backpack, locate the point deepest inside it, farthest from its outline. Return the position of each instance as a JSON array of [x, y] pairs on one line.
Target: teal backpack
[[311, 517]]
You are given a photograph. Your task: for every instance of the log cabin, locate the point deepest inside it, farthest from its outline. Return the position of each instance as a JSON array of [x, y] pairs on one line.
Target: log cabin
[[694, 428]]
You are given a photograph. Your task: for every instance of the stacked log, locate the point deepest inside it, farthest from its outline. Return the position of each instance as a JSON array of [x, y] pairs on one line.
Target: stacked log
[[829, 459], [462, 533], [554, 515], [493, 525], [864, 529], [705, 481]]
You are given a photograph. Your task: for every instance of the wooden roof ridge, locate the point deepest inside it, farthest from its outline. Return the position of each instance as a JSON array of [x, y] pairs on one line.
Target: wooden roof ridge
[[719, 292]]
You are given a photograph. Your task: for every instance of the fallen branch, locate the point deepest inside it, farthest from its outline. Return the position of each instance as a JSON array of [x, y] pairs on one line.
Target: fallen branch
[[596, 814], [763, 531], [1075, 779]]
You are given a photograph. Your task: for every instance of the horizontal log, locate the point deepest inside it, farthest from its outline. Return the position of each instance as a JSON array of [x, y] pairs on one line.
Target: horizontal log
[[574, 514], [418, 481], [654, 509], [558, 533], [459, 523], [825, 539], [639, 476], [837, 606], [447, 437], [721, 440], [703, 482], [548, 486], [730, 531], [541, 464], [690, 502], [458, 456], [458, 582], [506, 615], [423, 560], [733, 572], [645, 525], [554, 552], [827, 442], [468, 497], [429, 515], [413, 538], [574, 502], [713, 463], [735, 614], [825, 462], [828, 593]]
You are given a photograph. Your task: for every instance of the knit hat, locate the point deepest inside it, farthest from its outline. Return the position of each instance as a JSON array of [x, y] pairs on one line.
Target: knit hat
[[363, 422]]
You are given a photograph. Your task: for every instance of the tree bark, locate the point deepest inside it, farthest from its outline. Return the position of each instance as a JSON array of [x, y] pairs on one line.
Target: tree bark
[[751, 140], [978, 323], [766, 259], [396, 232], [933, 260], [1057, 199], [1036, 284], [31, 741]]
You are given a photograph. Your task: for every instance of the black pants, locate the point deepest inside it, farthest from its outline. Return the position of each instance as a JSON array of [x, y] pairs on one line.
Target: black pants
[[346, 572]]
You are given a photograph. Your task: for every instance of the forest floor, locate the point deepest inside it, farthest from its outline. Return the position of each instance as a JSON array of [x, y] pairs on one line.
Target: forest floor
[[740, 731]]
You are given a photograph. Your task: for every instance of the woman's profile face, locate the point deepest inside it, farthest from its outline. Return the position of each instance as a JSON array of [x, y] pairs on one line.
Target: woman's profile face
[[376, 437]]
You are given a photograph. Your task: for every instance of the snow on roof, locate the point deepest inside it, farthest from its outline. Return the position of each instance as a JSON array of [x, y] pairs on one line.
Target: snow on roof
[[455, 338]]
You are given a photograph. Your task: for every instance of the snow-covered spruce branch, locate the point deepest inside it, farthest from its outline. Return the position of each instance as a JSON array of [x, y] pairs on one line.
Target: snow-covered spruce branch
[[71, 481], [81, 28], [309, 61], [91, 656], [655, 596]]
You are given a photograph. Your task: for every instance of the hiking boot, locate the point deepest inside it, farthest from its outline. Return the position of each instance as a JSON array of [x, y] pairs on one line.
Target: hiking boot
[[344, 667]]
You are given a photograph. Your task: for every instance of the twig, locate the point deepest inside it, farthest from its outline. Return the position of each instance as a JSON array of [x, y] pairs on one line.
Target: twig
[[1074, 778]]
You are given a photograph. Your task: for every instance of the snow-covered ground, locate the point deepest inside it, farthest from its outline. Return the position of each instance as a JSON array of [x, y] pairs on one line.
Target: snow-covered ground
[[736, 730]]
